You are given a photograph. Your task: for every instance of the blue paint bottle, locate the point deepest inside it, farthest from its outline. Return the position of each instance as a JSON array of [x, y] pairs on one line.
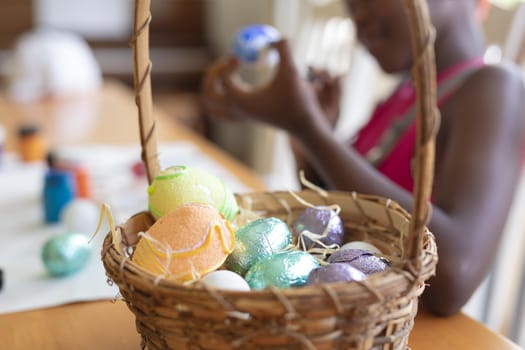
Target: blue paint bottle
[[59, 190]]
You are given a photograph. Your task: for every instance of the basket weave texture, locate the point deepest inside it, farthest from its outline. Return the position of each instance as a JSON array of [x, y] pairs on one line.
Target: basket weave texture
[[377, 313]]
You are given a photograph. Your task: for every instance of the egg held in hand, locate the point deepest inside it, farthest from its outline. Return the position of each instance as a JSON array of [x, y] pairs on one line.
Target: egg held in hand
[[257, 240], [252, 42], [180, 185], [186, 243], [66, 254], [318, 226], [282, 270]]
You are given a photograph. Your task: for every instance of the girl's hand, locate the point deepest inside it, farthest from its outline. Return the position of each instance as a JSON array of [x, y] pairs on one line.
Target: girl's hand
[[288, 102], [328, 91]]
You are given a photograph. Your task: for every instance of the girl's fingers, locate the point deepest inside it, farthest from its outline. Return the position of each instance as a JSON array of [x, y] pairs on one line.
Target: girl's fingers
[[285, 53], [213, 96], [213, 85], [220, 89], [233, 86]]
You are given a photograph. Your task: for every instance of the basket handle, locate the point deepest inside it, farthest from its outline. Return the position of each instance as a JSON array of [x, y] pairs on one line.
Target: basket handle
[[424, 76], [142, 83]]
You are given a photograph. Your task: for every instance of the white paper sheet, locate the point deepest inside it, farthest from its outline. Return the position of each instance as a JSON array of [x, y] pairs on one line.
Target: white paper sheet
[[23, 233]]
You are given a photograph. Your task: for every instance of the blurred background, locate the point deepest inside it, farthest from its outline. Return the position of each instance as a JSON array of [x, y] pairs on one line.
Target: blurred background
[[187, 35]]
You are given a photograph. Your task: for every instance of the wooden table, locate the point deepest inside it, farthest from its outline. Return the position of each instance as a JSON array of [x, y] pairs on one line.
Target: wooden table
[[105, 325], [111, 326]]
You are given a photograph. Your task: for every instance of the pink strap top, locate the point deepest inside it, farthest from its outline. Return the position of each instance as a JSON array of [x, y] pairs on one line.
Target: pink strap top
[[396, 165]]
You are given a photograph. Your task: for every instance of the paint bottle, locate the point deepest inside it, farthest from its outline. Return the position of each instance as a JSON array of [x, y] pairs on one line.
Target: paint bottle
[[82, 176], [32, 144], [59, 190]]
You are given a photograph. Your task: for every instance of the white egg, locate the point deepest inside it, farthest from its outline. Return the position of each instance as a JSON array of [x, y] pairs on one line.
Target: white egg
[[362, 245], [80, 215], [225, 279]]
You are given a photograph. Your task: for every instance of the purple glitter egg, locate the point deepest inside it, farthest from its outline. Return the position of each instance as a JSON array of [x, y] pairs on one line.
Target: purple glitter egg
[[339, 272], [360, 259], [317, 220]]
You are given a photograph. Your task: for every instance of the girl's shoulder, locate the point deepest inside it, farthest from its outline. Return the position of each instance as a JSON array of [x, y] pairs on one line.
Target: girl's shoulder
[[489, 107], [503, 74], [494, 91]]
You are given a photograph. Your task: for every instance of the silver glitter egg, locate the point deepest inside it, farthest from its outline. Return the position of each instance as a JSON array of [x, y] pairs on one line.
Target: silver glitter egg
[[363, 260], [282, 270], [65, 254], [257, 240], [338, 272], [321, 221]]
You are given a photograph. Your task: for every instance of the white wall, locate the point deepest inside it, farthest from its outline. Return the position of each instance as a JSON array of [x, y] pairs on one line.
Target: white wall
[[225, 17], [100, 19]]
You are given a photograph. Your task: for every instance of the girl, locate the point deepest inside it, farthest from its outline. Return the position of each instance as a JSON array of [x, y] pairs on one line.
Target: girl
[[479, 145]]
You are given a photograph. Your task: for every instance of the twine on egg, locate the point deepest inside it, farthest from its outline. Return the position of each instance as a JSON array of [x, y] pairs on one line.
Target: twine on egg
[[156, 256]]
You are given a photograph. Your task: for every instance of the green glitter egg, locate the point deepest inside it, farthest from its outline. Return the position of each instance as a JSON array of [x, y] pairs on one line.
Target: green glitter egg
[[257, 240], [65, 254], [282, 270]]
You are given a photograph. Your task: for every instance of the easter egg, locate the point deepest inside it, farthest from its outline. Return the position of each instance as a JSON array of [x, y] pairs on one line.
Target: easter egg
[[180, 185], [257, 240], [224, 279], [361, 259], [282, 270], [322, 225], [186, 243], [80, 215], [65, 254], [338, 272], [361, 245], [250, 41]]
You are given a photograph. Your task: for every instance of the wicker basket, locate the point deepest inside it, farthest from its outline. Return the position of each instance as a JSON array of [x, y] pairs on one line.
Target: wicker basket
[[377, 313]]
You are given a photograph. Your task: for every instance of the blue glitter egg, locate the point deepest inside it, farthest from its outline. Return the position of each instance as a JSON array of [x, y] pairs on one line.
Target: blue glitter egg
[[282, 270], [65, 254], [257, 240], [251, 40]]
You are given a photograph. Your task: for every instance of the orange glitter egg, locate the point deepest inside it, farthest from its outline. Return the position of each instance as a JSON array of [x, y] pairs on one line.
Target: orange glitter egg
[[186, 243]]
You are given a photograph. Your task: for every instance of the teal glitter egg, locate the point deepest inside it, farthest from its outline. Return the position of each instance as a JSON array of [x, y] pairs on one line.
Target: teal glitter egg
[[282, 270], [65, 254], [257, 240]]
